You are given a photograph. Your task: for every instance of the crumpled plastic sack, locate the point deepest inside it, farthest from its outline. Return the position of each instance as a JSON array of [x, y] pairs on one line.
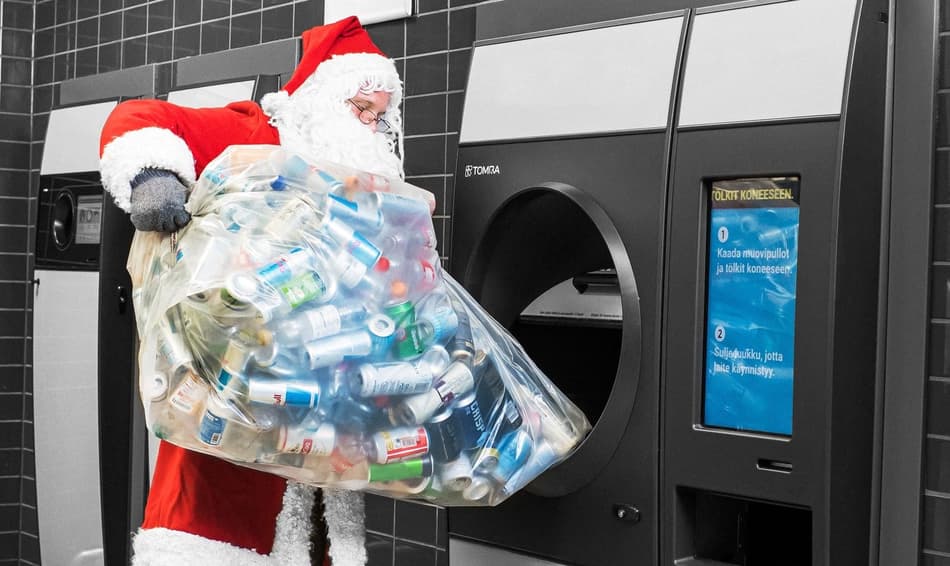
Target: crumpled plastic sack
[[301, 324]]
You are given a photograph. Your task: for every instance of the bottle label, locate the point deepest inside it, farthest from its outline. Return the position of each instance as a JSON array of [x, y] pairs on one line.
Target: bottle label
[[456, 381], [410, 342], [400, 443], [303, 289], [211, 429], [318, 442], [188, 394]]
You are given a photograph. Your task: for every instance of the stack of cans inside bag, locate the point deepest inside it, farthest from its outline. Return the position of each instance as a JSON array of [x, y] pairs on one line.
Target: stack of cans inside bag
[[304, 327]]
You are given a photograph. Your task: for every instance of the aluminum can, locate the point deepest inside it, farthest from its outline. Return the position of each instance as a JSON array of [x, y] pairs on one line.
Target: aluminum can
[[403, 313], [398, 444], [445, 436], [399, 378], [282, 393], [331, 350], [231, 382], [456, 475], [471, 421], [455, 381], [411, 468]]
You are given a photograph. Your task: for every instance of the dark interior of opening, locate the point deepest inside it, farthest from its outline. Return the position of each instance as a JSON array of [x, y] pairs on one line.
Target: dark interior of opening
[[536, 242], [581, 360]]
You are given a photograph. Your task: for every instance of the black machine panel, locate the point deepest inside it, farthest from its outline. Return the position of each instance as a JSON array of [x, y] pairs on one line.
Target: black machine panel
[[69, 222], [581, 209]]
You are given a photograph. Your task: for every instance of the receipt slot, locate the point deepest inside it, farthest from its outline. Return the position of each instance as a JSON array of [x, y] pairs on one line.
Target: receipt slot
[[772, 284]]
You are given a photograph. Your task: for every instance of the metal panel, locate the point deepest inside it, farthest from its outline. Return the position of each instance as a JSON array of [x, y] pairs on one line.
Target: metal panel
[[908, 282], [270, 58], [770, 62], [368, 11], [213, 95], [609, 79], [66, 421], [136, 81], [72, 138], [464, 553]]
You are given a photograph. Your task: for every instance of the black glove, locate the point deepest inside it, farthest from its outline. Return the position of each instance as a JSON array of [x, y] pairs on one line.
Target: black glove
[[158, 201]]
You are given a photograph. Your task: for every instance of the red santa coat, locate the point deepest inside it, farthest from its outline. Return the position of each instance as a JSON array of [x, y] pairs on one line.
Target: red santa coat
[[154, 133], [191, 492]]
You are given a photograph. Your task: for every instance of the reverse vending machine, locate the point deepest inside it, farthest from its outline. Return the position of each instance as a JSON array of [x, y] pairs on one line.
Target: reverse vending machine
[[722, 179], [772, 286], [558, 233]]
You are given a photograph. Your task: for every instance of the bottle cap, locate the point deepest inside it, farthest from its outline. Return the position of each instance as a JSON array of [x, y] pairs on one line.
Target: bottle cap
[[157, 387], [398, 289]]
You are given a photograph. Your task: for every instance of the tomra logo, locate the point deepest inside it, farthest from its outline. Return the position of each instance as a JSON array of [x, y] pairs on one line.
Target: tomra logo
[[471, 170]]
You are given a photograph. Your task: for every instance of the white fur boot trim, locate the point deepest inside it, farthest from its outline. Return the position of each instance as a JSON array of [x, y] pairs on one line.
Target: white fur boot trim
[[126, 155], [164, 547], [292, 536], [346, 527]]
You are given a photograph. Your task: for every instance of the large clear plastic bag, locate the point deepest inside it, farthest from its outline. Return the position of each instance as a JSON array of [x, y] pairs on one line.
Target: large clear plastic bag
[[301, 324]]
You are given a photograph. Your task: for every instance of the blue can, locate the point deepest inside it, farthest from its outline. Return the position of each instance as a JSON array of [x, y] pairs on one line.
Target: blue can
[[471, 421]]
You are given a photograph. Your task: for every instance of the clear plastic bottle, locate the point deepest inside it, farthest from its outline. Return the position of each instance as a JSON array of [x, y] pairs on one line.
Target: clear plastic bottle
[[318, 322], [225, 427]]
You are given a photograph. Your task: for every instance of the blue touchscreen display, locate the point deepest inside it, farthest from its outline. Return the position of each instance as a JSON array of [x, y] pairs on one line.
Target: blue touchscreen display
[[750, 308]]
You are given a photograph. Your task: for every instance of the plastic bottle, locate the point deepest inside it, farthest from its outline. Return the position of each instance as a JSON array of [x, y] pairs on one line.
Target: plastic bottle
[[318, 322], [225, 427], [352, 241], [356, 212]]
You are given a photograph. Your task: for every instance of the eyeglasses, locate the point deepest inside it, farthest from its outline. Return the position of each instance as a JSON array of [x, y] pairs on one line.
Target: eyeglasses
[[368, 117]]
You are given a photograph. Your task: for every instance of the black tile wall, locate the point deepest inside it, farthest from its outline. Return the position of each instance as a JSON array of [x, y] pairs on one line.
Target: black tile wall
[[45, 42], [16, 132], [936, 473]]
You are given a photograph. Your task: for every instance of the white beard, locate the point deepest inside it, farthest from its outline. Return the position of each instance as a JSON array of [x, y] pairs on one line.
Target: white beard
[[325, 130]]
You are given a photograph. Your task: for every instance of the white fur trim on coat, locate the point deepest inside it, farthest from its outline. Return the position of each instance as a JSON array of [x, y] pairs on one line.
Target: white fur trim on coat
[[126, 155], [292, 536], [346, 527], [165, 547]]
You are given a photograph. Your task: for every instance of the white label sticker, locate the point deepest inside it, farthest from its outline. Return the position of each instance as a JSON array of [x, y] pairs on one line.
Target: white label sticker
[[88, 219]]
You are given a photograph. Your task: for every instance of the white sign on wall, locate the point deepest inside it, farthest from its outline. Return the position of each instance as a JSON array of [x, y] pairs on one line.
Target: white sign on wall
[[368, 11]]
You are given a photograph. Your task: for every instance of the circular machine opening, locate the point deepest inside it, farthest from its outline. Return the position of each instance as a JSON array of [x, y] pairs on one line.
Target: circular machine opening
[[62, 220], [551, 268]]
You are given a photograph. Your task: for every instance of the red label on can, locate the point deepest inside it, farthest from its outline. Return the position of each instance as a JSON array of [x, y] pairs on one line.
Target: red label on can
[[400, 446]]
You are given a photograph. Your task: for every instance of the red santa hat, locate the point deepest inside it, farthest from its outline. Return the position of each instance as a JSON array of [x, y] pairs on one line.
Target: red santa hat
[[339, 59]]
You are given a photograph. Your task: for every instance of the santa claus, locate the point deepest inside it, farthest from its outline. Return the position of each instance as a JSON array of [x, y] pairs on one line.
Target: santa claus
[[341, 104]]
